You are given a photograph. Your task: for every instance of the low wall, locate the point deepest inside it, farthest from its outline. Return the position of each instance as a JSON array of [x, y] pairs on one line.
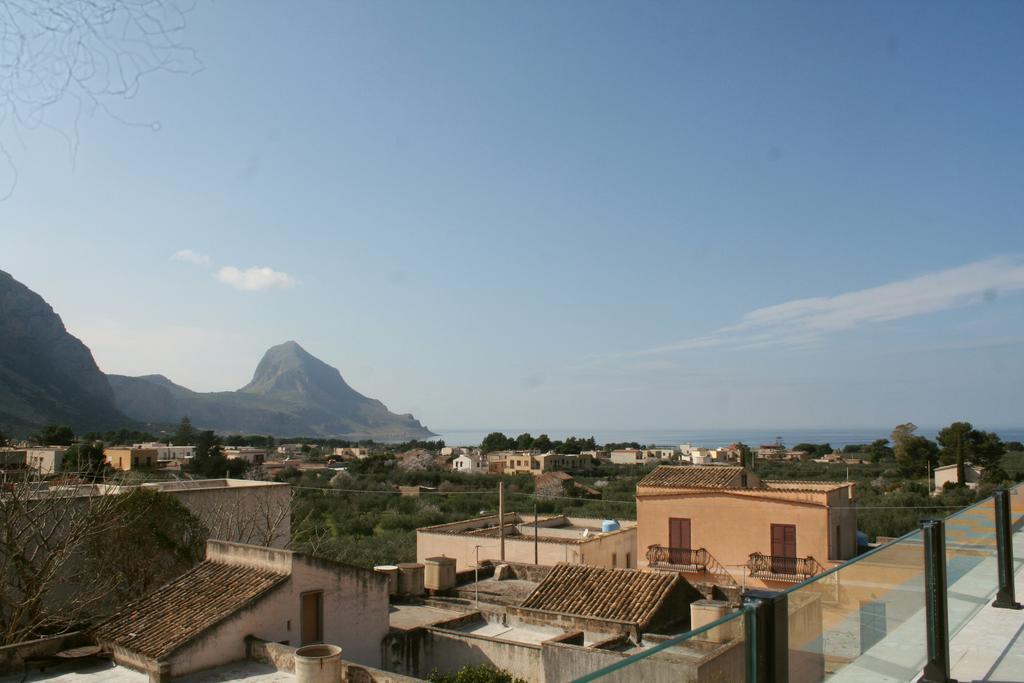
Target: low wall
[[565, 662], [419, 651], [282, 658]]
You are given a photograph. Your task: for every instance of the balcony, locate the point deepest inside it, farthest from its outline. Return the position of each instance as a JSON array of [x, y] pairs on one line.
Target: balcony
[[775, 568], [679, 559]]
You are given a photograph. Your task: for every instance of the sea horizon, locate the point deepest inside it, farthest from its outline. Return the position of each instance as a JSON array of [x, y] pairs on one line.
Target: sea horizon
[[712, 437]]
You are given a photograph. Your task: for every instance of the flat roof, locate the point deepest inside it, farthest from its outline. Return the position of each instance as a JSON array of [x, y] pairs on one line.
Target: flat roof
[[247, 670]]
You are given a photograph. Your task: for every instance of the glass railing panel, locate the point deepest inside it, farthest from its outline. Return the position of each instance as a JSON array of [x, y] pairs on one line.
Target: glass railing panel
[[863, 621], [1017, 506], [716, 651], [971, 567]]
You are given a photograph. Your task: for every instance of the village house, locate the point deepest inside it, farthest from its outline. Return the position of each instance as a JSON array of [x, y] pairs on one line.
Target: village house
[[351, 453], [554, 539], [771, 451], [165, 452], [469, 463], [659, 454], [249, 454], [947, 475], [45, 460], [629, 456], [728, 524], [203, 618], [575, 620], [126, 459]]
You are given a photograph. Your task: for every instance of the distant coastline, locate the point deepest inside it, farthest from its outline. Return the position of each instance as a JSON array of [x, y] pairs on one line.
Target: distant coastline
[[709, 437]]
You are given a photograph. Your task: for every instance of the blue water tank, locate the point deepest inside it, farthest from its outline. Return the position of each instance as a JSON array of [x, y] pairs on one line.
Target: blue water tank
[[609, 525], [862, 539]]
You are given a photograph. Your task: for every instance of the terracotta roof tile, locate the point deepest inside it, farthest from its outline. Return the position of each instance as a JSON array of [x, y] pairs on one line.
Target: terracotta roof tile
[[169, 617], [620, 594], [690, 477]]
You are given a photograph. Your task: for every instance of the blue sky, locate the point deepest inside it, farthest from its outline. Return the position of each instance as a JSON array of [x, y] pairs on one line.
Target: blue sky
[[581, 214]]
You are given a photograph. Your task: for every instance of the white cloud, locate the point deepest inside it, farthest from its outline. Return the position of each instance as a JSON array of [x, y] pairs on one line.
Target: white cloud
[[254, 279], [190, 256], [804, 321]]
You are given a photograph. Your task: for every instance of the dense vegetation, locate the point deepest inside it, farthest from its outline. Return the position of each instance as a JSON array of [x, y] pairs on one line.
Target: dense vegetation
[[357, 515]]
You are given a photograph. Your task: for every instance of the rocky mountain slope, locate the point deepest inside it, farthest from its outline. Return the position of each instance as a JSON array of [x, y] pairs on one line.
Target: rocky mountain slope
[[291, 393], [47, 376]]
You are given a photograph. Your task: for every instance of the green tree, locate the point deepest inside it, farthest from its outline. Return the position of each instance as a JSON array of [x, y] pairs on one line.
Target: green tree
[[962, 443], [542, 443], [55, 435], [900, 437], [160, 540], [988, 449], [956, 441], [879, 450], [85, 459], [482, 673], [186, 434], [496, 441], [3, 439], [746, 455], [524, 441]]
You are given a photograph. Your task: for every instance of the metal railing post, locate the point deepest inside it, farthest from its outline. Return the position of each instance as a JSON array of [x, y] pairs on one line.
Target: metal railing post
[[768, 634], [936, 668], [1005, 598]]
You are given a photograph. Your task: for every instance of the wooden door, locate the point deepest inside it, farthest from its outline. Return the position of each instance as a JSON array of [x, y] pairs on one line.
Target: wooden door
[[784, 548], [312, 618], [678, 540]]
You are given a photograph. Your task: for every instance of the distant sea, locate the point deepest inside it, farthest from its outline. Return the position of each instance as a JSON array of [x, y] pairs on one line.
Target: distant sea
[[710, 437]]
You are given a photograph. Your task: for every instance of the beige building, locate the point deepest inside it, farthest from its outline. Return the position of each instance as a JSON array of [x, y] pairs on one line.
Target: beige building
[[45, 460], [126, 459], [947, 475], [726, 521], [249, 454], [558, 539], [539, 463], [202, 619], [352, 453]]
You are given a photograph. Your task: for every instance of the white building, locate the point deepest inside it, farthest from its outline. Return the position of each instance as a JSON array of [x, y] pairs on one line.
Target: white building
[[45, 460], [470, 464], [659, 454], [352, 453], [166, 452], [947, 475]]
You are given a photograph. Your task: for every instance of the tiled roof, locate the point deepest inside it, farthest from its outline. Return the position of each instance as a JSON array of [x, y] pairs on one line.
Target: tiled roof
[[169, 617], [690, 477], [620, 594]]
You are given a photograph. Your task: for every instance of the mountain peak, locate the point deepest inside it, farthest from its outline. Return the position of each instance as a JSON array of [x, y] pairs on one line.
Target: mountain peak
[[289, 371]]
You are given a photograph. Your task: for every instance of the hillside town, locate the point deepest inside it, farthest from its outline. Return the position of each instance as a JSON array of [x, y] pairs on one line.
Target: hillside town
[[543, 596]]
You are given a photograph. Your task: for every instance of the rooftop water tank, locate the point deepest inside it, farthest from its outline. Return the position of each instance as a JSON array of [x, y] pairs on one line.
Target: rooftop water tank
[[609, 525]]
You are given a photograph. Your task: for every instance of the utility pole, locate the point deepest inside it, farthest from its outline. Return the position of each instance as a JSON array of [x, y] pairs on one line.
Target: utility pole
[[476, 577], [501, 519], [535, 525]]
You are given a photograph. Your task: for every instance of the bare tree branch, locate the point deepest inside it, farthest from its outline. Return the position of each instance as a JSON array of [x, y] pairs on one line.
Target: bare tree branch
[[60, 59]]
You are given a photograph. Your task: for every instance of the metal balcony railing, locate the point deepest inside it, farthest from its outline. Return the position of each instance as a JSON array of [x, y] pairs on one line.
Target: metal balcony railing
[[776, 568]]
